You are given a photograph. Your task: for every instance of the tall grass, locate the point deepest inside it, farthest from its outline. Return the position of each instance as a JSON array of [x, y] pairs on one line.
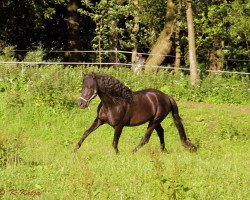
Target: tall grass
[[36, 159], [40, 124]]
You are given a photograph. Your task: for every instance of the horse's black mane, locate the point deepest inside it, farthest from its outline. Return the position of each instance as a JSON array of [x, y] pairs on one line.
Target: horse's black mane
[[114, 88]]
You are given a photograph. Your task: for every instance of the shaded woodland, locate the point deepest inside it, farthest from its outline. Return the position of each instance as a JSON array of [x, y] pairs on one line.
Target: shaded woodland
[[221, 31]]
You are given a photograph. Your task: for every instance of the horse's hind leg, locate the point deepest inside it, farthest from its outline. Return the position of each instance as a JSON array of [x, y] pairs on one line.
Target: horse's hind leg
[[146, 137], [160, 132], [177, 120]]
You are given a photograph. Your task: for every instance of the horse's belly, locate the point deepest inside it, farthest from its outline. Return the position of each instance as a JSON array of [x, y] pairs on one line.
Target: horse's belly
[[140, 115]]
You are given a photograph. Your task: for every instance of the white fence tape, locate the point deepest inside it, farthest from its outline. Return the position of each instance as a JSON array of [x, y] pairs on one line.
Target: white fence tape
[[112, 63]]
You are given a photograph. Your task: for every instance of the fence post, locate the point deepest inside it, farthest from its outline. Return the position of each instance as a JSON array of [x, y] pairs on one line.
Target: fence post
[[116, 56]]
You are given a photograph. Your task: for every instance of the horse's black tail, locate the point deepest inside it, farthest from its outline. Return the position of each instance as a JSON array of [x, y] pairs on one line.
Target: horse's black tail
[[177, 120]]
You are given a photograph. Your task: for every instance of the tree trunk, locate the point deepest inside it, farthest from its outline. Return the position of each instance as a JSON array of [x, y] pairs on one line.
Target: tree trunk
[[212, 62], [163, 45], [134, 35], [220, 56], [74, 43], [216, 59], [177, 62], [191, 43], [113, 41]]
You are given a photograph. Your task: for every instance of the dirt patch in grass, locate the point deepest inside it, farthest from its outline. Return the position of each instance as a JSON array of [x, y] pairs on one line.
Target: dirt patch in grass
[[245, 109]]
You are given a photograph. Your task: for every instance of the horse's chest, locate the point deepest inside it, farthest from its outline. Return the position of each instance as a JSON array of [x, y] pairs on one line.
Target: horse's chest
[[112, 116]]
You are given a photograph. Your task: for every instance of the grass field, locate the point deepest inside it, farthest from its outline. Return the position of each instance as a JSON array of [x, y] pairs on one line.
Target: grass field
[[36, 160]]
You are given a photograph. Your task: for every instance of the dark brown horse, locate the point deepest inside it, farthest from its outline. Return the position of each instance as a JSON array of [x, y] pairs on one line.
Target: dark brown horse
[[121, 107]]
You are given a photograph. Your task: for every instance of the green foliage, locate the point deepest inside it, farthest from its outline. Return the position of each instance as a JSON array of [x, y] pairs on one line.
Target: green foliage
[[223, 21], [104, 14], [151, 22], [240, 28], [231, 89], [121, 14], [8, 54], [57, 86], [104, 25], [35, 56]]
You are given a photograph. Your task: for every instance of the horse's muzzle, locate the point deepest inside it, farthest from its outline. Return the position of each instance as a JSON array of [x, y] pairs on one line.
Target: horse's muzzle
[[82, 104]]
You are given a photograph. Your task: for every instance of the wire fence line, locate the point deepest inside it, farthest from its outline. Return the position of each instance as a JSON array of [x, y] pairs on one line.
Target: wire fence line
[[115, 64], [116, 52]]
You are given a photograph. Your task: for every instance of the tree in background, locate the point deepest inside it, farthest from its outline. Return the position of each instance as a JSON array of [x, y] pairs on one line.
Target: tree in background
[[163, 45], [74, 39], [221, 26], [134, 36], [32, 24], [223, 34], [212, 32], [112, 25], [237, 45], [177, 62], [16, 25], [191, 43]]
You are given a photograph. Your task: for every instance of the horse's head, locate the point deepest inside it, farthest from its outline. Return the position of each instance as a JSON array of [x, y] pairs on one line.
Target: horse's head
[[89, 90]]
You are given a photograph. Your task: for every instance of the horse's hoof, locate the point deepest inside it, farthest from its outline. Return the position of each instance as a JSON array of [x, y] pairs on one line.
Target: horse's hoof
[[117, 152], [135, 150], [193, 149], [75, 150], [164, 150]]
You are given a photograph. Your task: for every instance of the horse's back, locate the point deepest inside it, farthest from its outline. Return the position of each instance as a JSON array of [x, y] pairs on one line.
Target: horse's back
[[154, 95]]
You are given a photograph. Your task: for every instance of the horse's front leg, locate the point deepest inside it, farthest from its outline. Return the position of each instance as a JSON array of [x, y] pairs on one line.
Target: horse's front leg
[[93, 127], [117, 134]]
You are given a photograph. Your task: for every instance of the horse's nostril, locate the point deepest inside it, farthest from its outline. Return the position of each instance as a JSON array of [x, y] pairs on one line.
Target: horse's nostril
[[83, 104]]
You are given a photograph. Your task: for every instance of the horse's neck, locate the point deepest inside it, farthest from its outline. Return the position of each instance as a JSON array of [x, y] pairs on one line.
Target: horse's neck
[[106, 100]]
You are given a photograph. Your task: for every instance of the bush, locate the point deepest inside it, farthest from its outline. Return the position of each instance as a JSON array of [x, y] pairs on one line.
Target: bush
[[7, 53], [233, 89], [55, 86], [58, 86], [34, 56]]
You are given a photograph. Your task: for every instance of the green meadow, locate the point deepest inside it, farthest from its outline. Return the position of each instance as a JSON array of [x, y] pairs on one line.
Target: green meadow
[[40, 124]]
